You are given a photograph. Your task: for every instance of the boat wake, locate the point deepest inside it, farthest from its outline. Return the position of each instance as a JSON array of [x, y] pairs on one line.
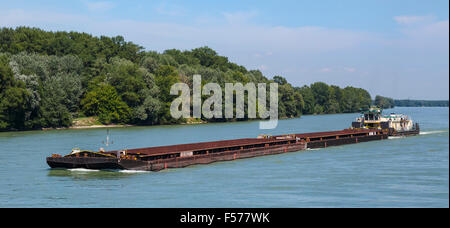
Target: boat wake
[[431, 132], [133, 171], [396, 137], [312, 149], [83, 170]]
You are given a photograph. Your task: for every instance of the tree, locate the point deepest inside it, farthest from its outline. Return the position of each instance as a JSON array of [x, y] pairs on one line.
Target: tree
[[280, 80], [355, 99], [127, 78], [13, 99], [384, 102], [321, 93], [205, 55], [309, 100], [291, 101], [332, 105], [105, 103], [166, 76], [54, 85]]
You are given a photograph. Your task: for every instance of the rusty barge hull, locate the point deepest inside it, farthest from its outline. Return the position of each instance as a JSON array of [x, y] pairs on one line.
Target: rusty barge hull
[[183, 155], [175, 162], [221, 156], [344, 141], [158, 160], [405, 133]]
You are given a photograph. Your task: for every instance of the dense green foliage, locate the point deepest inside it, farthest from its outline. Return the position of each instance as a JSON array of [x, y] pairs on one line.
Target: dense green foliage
[[14, 98], [421, 103], [384, 102], [49, 78], [321, 98]]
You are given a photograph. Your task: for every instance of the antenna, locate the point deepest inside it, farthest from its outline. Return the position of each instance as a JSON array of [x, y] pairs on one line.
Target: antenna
[[107, 139]]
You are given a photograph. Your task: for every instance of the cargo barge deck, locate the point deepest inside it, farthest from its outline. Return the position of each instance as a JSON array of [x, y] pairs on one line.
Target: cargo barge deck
[[179, 156]]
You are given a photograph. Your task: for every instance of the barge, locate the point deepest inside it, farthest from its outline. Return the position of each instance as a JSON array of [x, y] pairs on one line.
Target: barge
[[179, 156]]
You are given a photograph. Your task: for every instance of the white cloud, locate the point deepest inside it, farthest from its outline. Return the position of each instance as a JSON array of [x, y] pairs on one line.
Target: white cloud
[[265, 41], [263, 67], [427, 37], [350, 69], [99, 6], [169, 10], [42, 19], [260, 55], [239, 17], [411, 20], [325, 70]]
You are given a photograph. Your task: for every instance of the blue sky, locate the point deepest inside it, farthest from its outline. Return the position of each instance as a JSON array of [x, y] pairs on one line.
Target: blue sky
[[392, 48]]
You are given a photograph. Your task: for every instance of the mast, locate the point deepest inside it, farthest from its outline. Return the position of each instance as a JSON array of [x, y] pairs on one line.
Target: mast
[[108, 141]]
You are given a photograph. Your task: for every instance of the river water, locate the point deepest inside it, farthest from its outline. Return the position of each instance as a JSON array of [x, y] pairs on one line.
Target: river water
[[399, 172]]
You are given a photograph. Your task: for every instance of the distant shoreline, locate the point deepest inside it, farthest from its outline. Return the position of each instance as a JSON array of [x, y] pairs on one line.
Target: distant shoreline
[[100, 126], [95, 126]]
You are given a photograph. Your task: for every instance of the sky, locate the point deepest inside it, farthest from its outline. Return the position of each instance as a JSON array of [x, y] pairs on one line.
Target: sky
[[398, 49]]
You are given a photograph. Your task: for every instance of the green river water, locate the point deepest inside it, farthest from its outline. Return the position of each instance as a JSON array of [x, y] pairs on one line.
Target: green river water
[[399, 172]]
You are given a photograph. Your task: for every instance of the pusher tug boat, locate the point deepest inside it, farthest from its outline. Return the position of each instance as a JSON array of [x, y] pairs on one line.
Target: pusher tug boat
[[372, 125], [397, 124]]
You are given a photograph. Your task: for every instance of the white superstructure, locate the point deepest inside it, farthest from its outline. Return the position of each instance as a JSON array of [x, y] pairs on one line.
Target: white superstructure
[[373, 118]]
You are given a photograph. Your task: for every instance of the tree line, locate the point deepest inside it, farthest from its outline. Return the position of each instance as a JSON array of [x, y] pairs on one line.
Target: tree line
[[47, 79], [386, 102], [421, 103]]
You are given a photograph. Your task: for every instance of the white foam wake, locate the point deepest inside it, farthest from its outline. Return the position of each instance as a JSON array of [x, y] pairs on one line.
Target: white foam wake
[[312, 149], [396, 137], [132, 171], [431, 132], [83, 170]]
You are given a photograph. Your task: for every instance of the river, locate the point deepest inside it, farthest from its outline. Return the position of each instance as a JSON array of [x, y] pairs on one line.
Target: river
[[399, 172]]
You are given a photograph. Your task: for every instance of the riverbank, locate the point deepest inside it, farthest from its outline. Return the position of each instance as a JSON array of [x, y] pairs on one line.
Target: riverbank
[[92, 122]]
